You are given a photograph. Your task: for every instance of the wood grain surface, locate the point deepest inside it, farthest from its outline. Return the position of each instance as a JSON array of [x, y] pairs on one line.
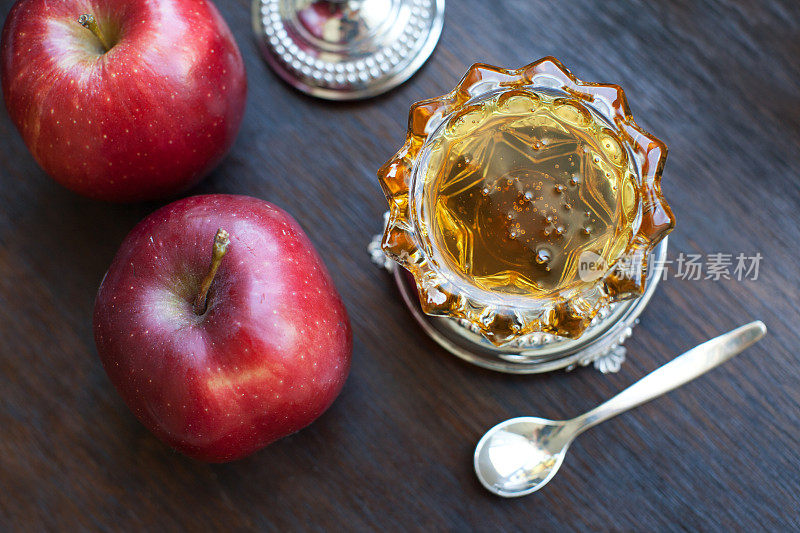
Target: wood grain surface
[[717, 80]]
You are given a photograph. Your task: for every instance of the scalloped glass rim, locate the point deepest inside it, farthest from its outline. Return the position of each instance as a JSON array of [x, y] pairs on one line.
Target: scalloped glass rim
[[570, 313]]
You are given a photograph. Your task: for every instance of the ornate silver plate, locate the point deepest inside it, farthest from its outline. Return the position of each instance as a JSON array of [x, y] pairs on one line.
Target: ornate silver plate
[[600, 345]]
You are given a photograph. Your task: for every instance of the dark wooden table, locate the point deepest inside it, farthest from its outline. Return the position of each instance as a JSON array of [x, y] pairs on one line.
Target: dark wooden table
[[719, 81]]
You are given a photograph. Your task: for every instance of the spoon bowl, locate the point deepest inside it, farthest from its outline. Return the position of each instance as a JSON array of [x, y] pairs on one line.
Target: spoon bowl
[[518, 456], [521, 455]]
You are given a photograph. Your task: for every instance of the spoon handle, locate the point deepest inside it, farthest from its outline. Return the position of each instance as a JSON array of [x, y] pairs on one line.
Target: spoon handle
[[677, 372]]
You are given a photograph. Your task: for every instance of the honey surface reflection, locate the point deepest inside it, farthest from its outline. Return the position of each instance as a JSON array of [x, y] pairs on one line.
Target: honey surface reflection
[[518, 186]]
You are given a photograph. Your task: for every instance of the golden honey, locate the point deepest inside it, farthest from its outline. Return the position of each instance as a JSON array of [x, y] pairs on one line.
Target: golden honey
[[508, 186], [520, 185]]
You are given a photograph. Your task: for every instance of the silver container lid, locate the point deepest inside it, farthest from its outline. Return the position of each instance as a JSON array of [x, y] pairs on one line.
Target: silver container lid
[[347, 49]]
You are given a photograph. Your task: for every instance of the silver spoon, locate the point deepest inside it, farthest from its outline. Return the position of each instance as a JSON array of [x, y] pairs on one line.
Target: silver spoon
[[521, 455]]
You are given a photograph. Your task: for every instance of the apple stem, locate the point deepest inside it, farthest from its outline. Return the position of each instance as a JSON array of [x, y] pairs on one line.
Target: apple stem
[[220, 248], [88, 22]]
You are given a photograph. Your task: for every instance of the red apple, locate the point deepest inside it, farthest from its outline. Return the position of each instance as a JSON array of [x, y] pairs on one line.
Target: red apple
[[147, 118], [260, 357]]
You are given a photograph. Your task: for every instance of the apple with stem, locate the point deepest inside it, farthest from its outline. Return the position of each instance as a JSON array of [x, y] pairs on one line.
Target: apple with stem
[[123, 100], [219, 361]]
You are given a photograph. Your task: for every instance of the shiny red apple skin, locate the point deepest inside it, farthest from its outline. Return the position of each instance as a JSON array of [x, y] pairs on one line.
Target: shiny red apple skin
[[147, 119], [269, 355]]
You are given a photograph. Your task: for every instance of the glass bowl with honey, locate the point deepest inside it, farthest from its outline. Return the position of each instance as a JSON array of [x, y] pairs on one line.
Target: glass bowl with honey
[[525, 205]]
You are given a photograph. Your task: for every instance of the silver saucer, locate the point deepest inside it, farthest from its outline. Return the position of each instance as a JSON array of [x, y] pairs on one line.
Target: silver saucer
[[600, 345], [347, 49]]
